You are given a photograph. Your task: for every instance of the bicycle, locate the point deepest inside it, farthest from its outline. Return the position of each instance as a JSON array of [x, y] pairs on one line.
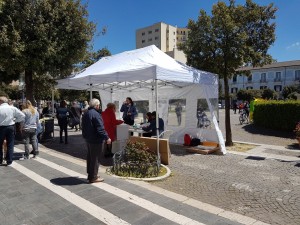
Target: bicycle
[[243, 117]]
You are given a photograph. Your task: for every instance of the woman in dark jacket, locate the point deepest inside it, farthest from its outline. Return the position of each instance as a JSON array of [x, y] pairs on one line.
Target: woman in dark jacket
[[129, 111], [62, 114]]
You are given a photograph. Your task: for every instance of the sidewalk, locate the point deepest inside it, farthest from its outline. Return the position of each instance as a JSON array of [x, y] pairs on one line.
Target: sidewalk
[[52, 189], [238, 188]]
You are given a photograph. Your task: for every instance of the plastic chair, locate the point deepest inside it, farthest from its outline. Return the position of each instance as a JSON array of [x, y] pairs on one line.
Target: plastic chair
[[165, 134]]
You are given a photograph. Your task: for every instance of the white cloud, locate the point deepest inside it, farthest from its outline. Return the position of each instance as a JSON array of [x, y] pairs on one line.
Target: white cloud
[[294, 46]]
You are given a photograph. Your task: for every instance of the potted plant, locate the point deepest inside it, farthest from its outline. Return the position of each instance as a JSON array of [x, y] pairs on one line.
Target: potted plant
[[297, 132]]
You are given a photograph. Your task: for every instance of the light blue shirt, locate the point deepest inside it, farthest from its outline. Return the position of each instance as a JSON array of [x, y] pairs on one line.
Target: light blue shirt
[[31, 120], [9, 115]]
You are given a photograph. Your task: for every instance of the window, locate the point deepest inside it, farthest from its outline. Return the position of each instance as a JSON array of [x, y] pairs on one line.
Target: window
[[249, 88], [277, 76], [143, 33], [143, 41], [297, 75], [234, 78], [234, 90], [174, 33], [249, 78], [150, 39], [263, 77], [156, 38], [277, 87], [156, 30], [150, 32], [263, 87]]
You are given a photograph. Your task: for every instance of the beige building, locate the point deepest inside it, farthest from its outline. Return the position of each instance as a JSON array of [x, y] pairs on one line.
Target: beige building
[[165, 37]]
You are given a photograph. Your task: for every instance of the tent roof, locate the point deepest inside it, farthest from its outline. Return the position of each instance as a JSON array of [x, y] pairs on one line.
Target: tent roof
[[134, 69]]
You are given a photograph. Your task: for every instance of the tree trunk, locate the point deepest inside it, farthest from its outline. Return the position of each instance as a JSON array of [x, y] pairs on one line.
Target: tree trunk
[[29, 86], [227, 113]]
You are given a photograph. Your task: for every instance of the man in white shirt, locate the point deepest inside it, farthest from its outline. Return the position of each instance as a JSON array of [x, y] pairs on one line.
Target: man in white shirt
[[8, 116]]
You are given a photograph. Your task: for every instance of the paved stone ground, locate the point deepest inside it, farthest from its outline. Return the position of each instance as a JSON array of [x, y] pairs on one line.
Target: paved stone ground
[[264, 189]]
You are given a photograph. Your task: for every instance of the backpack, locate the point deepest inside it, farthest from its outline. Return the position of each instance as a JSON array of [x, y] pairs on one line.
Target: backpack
[[195, 142], [187, 140]]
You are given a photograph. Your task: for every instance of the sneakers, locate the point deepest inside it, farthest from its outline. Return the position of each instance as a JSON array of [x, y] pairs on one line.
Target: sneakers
[[9, 165], [24, 158]]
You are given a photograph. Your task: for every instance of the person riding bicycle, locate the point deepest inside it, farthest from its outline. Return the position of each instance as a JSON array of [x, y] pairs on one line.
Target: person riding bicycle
[[247, 108]]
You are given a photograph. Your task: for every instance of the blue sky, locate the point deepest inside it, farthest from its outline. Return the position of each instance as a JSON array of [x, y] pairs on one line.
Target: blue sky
[[123, 17]]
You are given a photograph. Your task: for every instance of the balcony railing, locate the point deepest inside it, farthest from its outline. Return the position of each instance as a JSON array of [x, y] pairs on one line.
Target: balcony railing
[[277, 80], [263, 81]]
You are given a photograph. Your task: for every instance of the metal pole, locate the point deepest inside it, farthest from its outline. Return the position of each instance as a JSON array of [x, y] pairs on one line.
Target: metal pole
[[157, 123]]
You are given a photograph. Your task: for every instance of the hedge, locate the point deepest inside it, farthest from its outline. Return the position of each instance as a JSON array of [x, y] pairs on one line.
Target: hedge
[[279, 115]]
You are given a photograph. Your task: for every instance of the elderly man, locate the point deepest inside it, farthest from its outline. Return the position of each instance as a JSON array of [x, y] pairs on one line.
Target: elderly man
[[8, 116], [94, 134]]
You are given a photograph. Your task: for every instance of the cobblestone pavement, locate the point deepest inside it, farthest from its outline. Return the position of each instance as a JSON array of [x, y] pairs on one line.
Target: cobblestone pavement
[[265, 189]]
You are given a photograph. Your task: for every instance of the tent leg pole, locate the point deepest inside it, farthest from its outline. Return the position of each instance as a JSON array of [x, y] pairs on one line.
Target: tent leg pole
[[157, 124], [52, 102]]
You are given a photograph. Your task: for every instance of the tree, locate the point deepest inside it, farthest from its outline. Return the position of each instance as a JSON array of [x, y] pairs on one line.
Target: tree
[[268, 94], [231, 37], [43, 38], [287, 90]]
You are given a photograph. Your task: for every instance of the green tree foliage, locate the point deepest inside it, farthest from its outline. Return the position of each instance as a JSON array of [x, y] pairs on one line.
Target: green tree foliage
[[268, 94], [248, 95], [287, 90], [231, 37], [43, 38], [90, 58]]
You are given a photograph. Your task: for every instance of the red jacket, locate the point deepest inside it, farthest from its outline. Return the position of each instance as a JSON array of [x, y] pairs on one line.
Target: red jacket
[[110, 123]]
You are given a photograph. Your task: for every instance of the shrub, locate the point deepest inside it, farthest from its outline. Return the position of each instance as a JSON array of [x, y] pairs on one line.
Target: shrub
[[136, 161]]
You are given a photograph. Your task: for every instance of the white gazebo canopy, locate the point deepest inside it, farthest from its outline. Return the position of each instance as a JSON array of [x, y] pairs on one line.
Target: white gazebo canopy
[[148, 74]]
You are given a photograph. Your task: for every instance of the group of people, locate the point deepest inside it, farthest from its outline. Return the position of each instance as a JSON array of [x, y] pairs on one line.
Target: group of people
[[99, 127], [243, 106], [9, 115]]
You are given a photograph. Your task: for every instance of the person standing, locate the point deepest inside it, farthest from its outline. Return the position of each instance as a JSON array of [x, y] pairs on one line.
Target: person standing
[[62, 114], [8, 116], [94, 134], [129, 111], [110, 125], [29, 129], [178, 110], [75, 114]]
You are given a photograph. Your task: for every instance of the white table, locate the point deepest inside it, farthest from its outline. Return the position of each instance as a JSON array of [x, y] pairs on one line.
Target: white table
[[138, 131]]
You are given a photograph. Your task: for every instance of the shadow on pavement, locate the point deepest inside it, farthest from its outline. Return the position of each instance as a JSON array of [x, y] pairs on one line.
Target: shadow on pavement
[[69, 181], [252, 129], [76, 147]]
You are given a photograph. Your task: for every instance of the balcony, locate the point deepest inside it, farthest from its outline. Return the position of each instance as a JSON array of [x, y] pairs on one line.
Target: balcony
[[263, 81], [277, 80]]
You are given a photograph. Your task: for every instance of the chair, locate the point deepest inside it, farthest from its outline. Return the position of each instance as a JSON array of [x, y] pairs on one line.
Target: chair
[[165, 134]]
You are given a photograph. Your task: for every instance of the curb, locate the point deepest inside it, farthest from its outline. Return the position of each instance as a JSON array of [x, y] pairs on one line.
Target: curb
[[143, 179]]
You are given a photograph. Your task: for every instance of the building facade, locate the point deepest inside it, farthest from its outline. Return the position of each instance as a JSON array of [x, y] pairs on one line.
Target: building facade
[[165, 37], [274, 76]]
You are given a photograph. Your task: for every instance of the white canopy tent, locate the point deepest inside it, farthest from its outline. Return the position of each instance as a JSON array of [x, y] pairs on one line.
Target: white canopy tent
[[150, 76]]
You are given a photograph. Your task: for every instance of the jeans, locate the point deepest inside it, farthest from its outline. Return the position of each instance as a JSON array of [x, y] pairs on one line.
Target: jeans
[[30, 136], [8, 133]]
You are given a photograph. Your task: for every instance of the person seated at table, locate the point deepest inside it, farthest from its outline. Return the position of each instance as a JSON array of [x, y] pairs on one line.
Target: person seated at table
[[110, 125], [152, 126]]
